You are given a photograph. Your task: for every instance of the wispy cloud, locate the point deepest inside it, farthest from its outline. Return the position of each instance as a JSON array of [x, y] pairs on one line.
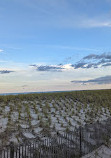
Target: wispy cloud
[[84, 21], [71, 48], [3, 61], [1, 50], [14, 48], [92, 23], [65, 13], [100, 80]]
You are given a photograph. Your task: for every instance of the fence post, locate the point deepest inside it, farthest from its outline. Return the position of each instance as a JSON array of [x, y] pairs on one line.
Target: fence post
[[80, 137], [11, 150]]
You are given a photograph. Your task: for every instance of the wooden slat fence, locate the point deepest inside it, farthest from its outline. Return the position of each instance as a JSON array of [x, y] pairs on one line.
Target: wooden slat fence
[[67, 145]]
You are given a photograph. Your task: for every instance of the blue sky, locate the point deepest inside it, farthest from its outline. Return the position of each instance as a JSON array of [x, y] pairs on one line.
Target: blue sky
[[42, 41]]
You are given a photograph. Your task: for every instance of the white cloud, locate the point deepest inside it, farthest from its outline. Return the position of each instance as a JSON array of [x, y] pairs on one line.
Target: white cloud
[[1, 50], [67, 67]]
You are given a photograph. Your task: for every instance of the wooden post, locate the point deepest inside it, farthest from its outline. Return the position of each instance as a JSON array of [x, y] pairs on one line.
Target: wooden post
[[11, 150]]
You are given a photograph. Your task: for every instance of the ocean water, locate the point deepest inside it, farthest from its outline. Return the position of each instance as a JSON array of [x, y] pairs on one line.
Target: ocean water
[[34, 92]]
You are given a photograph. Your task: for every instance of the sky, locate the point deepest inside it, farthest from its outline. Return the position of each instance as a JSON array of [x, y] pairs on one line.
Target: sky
[[55, 45]]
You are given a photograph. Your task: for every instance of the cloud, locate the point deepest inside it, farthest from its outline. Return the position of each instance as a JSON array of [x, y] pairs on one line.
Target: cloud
[[108, 64], [79, 65], [100, 80], [94, 61], [48, 67], [87, 62], [1, 50], [57, 68], [24, 86], [33, 65], [90, 61], [5, 71], [91, 23], [102, 56]]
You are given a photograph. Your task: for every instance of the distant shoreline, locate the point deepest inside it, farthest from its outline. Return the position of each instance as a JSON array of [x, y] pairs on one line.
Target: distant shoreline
[[48, 92]]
